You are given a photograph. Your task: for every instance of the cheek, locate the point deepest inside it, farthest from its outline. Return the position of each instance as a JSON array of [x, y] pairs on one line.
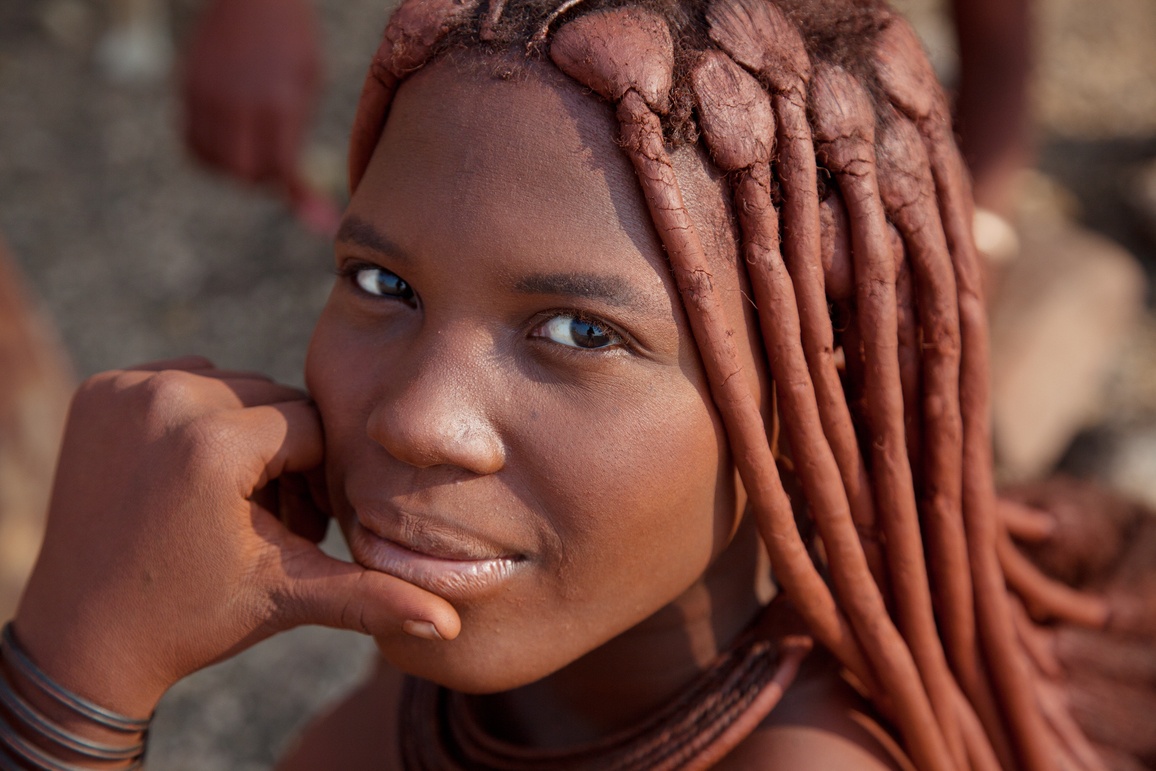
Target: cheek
[[643, 497], [341, 389]]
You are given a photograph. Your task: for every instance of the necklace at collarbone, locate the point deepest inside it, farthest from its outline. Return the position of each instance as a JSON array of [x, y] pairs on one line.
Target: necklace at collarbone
[[699, 727]]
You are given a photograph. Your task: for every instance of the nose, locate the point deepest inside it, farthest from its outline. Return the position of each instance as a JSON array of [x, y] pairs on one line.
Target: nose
[[437, 413]]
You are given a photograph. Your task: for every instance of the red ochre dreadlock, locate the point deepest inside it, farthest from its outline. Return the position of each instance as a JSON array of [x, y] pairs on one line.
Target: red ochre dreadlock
[[919, 558]]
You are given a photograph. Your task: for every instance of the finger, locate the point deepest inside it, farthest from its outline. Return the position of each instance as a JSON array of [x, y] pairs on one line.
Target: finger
[[269, 497], [222, 389], [340, 594], [254, 393], [210, 124], [287, 436], [235, 374]]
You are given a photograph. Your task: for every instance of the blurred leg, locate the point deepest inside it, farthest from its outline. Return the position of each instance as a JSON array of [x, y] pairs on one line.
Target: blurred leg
[[993, 108]]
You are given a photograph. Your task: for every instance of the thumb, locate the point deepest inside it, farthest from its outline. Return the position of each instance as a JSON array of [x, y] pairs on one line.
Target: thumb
[[344, 595]]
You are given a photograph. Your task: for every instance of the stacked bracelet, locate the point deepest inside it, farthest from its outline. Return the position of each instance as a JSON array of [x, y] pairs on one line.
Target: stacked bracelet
[[23, 721]]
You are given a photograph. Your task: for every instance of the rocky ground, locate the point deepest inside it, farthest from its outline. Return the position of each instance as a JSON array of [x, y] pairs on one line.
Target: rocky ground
[[138, 255]]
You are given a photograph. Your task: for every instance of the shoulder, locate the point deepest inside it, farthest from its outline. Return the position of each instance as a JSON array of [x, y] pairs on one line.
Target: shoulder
[[357, 732], [820, 724]]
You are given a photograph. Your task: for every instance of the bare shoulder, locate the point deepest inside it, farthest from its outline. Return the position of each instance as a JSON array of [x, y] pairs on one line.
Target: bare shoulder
[[359, 732], [820, 724]]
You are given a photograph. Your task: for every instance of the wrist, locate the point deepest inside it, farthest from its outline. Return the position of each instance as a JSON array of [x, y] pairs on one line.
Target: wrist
[[44, 725], [90, 660]]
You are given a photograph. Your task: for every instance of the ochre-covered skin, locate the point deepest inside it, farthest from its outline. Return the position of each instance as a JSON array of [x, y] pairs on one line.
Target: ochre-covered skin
[[962, 668], [408, 42], [890, 250]]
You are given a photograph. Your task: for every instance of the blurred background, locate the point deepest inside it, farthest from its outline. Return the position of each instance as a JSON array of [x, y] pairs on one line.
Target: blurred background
[[126, 249]]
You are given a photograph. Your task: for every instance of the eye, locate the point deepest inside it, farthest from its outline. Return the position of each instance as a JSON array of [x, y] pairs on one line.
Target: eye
[[380, 282], [577, 332]]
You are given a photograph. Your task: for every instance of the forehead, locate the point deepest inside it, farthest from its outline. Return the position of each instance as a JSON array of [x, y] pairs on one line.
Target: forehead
[[472, 128], [515, 157]]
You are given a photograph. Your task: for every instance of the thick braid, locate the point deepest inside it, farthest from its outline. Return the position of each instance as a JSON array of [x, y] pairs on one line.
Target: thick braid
[[759, 37], [908, 193], [911, 86], [844, 127], [626, 56], [732, 107], [910, 350]]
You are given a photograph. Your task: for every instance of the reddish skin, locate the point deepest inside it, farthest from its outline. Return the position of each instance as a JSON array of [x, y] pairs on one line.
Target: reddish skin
[[410, 35], [156, 530], [251, 78], [647, 593]]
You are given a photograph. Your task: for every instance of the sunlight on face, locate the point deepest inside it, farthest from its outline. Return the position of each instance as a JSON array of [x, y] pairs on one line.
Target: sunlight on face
[[515, 412]]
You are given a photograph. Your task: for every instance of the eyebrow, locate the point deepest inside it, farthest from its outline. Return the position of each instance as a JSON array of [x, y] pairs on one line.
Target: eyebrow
[[357, 231], [354, 230], [591, 287]]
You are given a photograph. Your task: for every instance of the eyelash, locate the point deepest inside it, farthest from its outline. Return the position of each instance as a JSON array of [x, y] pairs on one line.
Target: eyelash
[[621, 342], [350, 271]]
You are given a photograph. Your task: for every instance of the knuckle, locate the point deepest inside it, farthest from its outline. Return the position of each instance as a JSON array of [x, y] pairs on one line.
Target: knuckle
[[164, 398], [169, 388]]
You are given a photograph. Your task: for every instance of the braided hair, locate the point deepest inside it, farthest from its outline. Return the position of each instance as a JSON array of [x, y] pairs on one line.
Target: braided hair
[[854, 210]]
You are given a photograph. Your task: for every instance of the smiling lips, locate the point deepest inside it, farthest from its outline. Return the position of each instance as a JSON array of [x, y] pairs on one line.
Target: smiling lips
[[455, 566]]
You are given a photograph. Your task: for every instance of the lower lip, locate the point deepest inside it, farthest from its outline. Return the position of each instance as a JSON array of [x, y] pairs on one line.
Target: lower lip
[[451, 579]]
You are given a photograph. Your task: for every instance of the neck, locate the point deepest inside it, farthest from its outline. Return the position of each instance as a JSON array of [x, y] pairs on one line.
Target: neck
[[623, 681]]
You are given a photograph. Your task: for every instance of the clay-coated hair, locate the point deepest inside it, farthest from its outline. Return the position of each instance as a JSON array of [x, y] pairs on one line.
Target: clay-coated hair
[[853, 203]]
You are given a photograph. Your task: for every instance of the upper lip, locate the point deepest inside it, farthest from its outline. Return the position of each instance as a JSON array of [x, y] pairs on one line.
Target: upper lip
[[430, 535]]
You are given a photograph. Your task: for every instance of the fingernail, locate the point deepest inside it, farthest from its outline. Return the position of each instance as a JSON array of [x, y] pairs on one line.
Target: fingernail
[[423, 629]]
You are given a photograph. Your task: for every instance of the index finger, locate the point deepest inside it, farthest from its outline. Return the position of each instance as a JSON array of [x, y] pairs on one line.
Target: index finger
[[288, 438]]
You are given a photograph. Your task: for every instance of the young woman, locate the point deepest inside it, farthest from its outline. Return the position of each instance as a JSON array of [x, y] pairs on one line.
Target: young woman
[[610, 462]]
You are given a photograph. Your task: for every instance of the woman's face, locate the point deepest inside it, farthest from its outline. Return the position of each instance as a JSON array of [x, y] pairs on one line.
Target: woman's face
[[516, 416]]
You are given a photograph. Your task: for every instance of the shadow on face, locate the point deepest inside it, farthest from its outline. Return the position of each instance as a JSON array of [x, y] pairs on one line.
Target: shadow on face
[[516, 415]]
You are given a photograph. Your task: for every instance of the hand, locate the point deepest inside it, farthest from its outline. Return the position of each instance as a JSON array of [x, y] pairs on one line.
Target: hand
[[159, 561], [250, 84]]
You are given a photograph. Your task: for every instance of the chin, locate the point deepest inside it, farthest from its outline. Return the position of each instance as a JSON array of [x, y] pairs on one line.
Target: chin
[[459, 666]]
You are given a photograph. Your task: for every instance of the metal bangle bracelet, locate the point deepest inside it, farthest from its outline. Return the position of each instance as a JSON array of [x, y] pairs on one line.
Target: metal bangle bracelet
[[19, 660], [17, 746], [44, 727]]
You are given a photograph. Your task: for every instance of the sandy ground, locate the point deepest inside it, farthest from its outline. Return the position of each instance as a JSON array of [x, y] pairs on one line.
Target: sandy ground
[[138, 255]]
